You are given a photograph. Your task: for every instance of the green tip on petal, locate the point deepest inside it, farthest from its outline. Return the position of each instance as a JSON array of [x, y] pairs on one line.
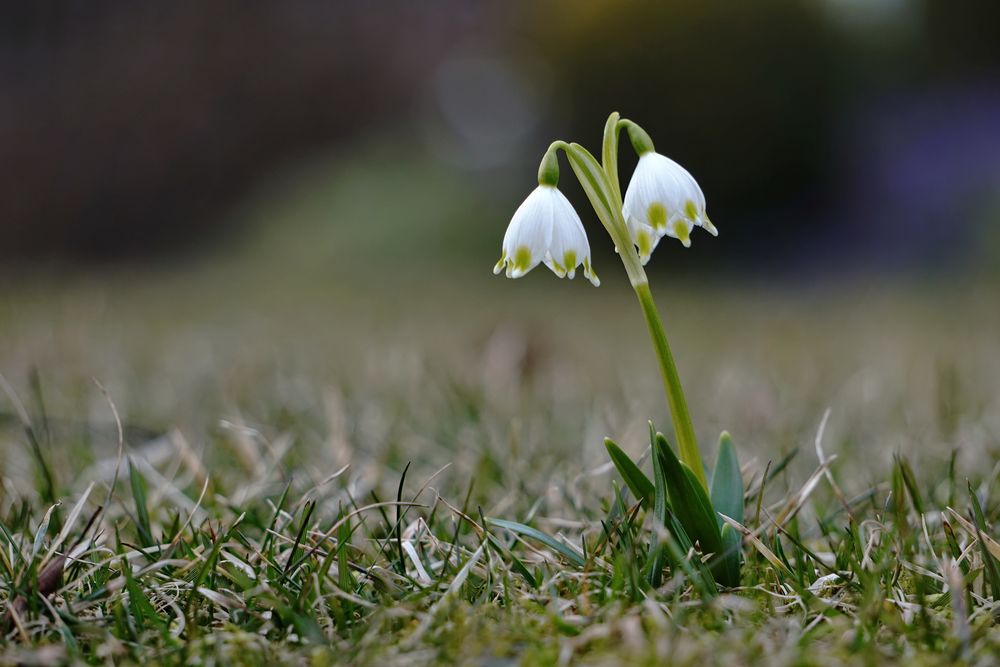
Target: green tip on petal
[[645, 245], [657, 215], [709, 227], [690, 210], [569, 261], [683, 234], [522, 260], [499, 265], [591, 275]]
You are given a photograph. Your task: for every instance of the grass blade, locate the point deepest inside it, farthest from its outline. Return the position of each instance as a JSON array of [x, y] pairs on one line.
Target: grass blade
[[539, 536], [991, 565], [141, 510]]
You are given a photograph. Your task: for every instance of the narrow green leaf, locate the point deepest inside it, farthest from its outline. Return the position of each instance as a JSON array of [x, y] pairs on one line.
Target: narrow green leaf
[[991, 566], [309, 507], [345, 578], [676, 543], [625, 530], [515, 562], [911, 484], [727, 482], [43, 528], [660, 510], [956, 550], [732, 543], [782, 464], [635, 479], [689, 502], [694, 510], [269, 533], [142, 609], [538, 535], [141, 509]]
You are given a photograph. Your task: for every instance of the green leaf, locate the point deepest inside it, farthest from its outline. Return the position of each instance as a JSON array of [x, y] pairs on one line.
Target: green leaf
[[515, 562], [660, 510], [676, 543], [990, 563], [956, 550], [727, 482], [692, 506], [142, 609], [538, 535], [732, 543], [141, 510], [694, 511], [910, 481], [635, 479], [345, 578]]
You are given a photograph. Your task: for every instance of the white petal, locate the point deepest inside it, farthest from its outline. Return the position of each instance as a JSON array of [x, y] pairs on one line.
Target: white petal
[[569, 246], [545, 228], [662, 196], [529, 233]]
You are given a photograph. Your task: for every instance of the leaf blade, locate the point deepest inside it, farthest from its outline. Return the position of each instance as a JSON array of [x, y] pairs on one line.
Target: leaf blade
[[535, 534], [634, 478], [727, 482]]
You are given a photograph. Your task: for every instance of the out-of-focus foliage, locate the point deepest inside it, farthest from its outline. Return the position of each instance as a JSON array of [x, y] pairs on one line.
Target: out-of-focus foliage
[[829, 132]]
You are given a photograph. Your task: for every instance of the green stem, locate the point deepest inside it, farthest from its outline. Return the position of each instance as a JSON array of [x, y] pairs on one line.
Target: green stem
[[686, 441], [600, 183]]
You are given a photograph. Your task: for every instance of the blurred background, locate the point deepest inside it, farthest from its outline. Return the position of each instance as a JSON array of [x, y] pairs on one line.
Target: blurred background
[[318, 190], [826, 133]]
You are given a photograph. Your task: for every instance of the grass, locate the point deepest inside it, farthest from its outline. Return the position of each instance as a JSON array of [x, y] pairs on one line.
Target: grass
[[291, 455], [440, 494]]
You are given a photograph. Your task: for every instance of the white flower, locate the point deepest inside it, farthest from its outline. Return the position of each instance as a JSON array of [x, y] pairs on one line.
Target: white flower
[[663, 199], [545, 228]]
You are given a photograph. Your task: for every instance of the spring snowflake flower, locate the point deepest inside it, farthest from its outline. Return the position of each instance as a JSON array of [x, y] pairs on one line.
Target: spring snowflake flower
[[663, 199], [545, 228]]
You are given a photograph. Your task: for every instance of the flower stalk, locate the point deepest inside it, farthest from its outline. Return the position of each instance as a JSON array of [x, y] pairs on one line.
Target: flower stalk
[[687, 442]]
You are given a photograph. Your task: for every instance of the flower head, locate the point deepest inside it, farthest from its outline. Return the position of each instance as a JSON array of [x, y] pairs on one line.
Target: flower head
[[545, 228], [663, 199]]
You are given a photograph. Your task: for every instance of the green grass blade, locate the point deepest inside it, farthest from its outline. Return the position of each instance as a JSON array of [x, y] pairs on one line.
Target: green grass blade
[[991, 566], [141, 508], [344, 577], [635, 479], [539, 536], [953, 546], [910, 481]]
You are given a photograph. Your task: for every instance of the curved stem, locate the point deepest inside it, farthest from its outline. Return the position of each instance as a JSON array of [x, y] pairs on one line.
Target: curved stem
[[687, 443]]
